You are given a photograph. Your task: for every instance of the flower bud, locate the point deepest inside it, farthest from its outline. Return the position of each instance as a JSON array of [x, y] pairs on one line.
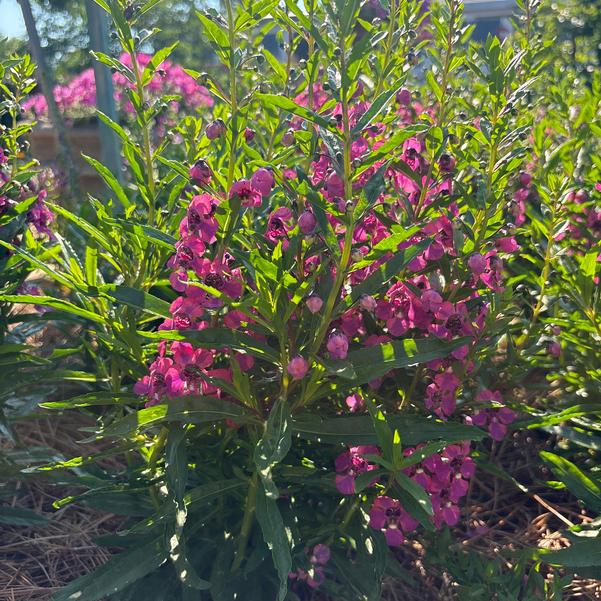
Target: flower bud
[[477, 264], [314, 303], [215, 130], [525, 179], [200, 172], [298, 368], [337, 346], [447, 163], [404, 97], [581, 196], [321, 554], [263, 181], [368, 303], [249, 134], [307, 222], [288, 138]]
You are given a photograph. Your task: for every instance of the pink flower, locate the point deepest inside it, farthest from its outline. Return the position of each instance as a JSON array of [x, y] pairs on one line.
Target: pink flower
[[298, 367], [351, 464], [243, 190], [215, 129], [262, 180], [368, 303], [525, 179], [200, 172], [314, 303], [321, 554], [337, 346], [447, 163], [477, 264], [507, 244], [387, 515], [355, 402], [307, 222], [288, 138]]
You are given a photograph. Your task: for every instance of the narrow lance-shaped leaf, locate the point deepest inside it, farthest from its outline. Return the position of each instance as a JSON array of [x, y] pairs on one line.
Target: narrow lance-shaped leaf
[[275, 535]]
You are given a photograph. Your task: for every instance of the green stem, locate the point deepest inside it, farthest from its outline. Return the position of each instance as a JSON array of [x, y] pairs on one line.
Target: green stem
[[442, 108], [233, 92], [247, 521], [146, 144], [233, 213], [389, 44]]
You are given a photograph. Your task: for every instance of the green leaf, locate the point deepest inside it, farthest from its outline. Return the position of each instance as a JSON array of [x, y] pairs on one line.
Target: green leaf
[[92, 399], [358, 430], [147, 232], [156, 61], [578, 483], [115, 575], [193, 410], [290, 106], [382, 429], [385, 272], [176, 474], [376, 107], [217, 37], [274, 445], [18, 516], [218, 338], [136, 298], [55, 303], [276, 537], [110, 180], [375, 361], [583, 553], [416, 491]]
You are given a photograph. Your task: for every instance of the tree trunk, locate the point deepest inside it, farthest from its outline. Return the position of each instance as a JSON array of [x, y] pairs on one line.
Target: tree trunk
[[47, 82]]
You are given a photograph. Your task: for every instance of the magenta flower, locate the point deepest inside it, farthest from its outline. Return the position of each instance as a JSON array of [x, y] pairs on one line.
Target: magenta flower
[[477, 264], [263, 181], [314, 303], [355, 402], [321, 554], [215, 129], [337, 346], [248, 196], [298, 367], [200, 172], [387, 515], [351, 464], [307, 223], [368, 303], [278, 226]]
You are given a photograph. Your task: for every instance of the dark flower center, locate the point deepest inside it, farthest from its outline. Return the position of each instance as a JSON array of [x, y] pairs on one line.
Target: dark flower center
[[454, 324], [215, 281]]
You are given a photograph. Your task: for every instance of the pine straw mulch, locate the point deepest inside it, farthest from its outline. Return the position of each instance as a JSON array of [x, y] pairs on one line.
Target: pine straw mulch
[[35, 562]]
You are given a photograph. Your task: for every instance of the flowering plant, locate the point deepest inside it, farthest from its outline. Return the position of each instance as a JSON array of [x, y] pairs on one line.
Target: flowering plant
[[297, 332], [77, 98], [25, 221]]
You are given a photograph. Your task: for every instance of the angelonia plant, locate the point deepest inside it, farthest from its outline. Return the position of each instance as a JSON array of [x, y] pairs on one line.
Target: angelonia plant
[[307, 325], [25, 223], [24, 215], [77, 98]]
